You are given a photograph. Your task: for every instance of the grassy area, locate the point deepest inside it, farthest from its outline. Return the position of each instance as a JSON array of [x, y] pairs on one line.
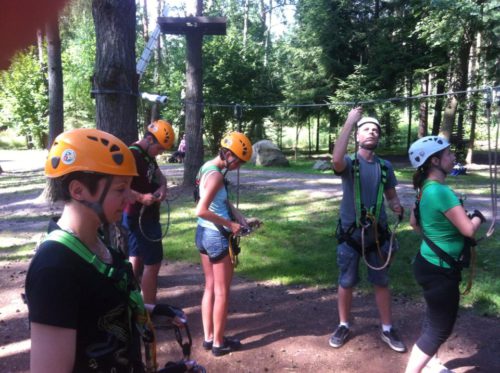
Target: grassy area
[[296, 244]]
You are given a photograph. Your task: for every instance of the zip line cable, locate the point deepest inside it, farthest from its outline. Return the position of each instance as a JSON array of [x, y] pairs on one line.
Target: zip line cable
[[337, 103]]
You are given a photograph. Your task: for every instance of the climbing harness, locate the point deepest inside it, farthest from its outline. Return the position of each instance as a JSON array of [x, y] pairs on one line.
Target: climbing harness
[[392, 239], [233, 240], [467, 257], [150, 177], [124, 282], [366, 218]]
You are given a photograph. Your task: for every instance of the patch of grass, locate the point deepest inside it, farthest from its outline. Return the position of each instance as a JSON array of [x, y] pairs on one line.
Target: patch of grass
[[296, 245], [17, 252]]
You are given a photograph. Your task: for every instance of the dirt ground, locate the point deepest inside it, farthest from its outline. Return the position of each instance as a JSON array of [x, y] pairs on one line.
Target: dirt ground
[[283, 328]]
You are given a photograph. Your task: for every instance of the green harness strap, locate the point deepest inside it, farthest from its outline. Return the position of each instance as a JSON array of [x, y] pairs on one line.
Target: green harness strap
[[135, 302], [374, 210]]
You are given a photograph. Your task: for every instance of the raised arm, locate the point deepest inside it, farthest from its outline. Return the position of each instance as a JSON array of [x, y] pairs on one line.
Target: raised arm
[[340, 148]]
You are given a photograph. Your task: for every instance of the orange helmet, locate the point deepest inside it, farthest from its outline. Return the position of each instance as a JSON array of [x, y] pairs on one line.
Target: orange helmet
[[239, 144], [163, 132], [90, 150]]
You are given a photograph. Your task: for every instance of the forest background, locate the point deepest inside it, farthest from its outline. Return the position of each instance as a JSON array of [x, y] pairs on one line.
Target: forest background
[[291, 81]]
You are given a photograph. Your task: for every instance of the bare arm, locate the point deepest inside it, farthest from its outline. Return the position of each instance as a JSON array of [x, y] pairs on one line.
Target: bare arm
[[393, 201], [459, 219], [161, 192], [53, 349], [413, 221], [212, 183], [340, 148]]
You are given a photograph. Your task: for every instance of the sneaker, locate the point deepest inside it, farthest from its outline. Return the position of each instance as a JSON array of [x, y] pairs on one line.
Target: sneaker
[[207, 345], [339, 336], [392, 339], [230, 345]]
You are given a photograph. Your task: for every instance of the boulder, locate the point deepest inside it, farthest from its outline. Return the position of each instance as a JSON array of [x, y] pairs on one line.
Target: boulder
[[266, 153], [322, 165]]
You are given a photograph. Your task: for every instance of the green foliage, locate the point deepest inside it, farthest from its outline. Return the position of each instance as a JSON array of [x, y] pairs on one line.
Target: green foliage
[[24, 98], [78, 54]]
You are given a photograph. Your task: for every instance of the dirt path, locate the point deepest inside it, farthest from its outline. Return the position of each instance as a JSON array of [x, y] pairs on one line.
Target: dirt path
[[283, 328]]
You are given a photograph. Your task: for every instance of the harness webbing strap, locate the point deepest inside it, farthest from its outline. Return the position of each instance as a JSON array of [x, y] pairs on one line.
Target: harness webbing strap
[[361, 210], [136, 303], [77, 246]]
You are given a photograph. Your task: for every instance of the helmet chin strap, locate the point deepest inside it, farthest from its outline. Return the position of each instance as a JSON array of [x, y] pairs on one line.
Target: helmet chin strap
[[226, 162], [97, 207]]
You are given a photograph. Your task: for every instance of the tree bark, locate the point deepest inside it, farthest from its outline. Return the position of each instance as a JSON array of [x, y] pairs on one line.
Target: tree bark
[[56, 109], [115, 79], [438, 106], [194, 99], [423, 108]]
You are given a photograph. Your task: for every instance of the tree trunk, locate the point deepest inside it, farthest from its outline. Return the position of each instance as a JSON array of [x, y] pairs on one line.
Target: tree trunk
[[115, 78], [475, 79], [317, 131], [423, 108], [56, 109], [438, 106], [194, 98], [462, 85]]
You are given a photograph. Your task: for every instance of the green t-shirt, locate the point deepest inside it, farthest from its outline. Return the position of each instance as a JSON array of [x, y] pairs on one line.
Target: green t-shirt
[[436, 200]]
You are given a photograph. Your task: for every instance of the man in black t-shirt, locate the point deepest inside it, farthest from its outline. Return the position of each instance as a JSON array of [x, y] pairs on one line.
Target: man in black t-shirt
[[142, 217]]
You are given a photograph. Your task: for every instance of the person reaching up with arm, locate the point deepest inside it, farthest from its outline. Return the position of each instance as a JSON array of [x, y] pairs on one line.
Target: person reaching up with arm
[[366, 180]]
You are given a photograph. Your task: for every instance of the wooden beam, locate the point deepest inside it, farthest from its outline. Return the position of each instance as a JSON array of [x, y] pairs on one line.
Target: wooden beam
[[184, 25]]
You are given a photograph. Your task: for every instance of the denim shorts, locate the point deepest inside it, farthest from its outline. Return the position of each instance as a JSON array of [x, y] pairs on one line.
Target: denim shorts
[[151, 252], [212, 243], [348, 263]]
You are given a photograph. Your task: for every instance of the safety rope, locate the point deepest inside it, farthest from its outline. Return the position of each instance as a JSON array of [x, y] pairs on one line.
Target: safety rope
[[373, 222], [493, 162], [167, 224]]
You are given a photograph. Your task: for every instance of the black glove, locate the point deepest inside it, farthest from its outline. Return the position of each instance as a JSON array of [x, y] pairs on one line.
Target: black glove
[[477, 214]]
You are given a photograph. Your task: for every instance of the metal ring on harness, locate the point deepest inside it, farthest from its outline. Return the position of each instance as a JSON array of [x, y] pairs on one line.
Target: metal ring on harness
[[371, 218], [167, 225]]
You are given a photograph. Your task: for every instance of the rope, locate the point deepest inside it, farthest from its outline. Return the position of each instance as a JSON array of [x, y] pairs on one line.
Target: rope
[[337, 103], [167, 225], [372, 219]]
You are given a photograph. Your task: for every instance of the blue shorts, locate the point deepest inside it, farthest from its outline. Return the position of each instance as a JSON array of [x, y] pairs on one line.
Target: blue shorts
[[150, 252], [212, 243], [348, 263]]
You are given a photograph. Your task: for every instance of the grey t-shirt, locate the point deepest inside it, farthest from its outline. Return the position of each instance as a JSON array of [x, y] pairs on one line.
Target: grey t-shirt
[[370, 174]]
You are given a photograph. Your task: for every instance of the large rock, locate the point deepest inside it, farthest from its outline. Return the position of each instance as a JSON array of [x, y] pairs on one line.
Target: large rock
[[322, 165], [267, 154]]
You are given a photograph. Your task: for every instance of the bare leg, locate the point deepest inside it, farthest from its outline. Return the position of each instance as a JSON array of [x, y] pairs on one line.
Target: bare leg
[[344, 301], [383, 299], [149, 283], [207, 301], [418, 360], [137, 266], [223, 274]]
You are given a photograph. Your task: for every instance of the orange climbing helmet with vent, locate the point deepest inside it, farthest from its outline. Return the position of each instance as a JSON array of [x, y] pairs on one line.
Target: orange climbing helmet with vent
[[239, 144], [89, 150], [163, 133]]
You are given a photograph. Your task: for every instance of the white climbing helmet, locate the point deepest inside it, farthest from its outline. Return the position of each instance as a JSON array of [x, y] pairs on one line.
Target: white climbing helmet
[[423, 148], [366, 120]]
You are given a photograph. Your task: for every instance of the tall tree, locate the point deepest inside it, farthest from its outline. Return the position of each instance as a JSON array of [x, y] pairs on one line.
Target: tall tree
[[115, 79], [56, 109]]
